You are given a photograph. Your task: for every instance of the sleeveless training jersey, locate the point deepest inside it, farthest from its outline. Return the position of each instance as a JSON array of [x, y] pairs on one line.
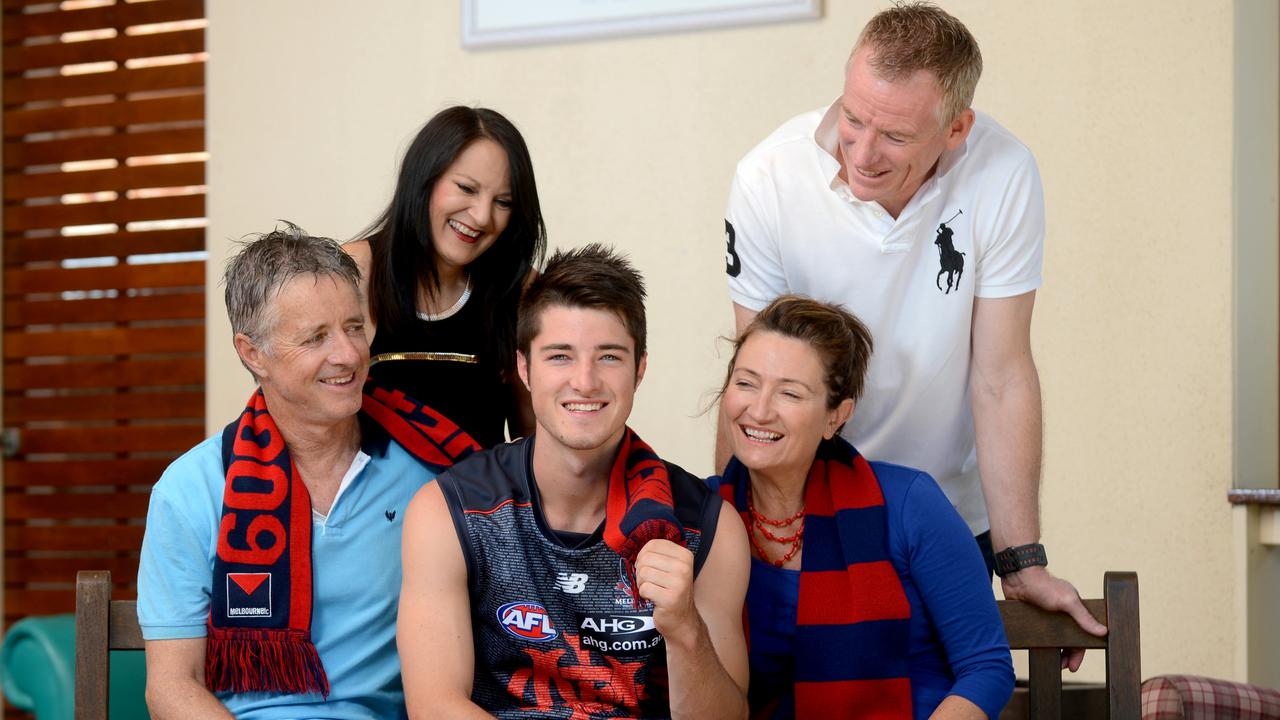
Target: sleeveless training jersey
[[555, 629]]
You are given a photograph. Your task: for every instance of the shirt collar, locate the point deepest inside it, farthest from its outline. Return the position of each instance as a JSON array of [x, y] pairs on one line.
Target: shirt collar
[[827, 137]]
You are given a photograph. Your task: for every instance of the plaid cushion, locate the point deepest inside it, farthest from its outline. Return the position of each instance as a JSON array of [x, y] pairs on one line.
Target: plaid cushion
[[1175, 697]]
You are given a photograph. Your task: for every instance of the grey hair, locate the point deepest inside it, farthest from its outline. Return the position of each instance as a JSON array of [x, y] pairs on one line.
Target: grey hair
[[266, 263]]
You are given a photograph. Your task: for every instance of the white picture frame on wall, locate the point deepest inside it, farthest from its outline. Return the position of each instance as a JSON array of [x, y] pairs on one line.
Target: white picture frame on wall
[[495, 23]]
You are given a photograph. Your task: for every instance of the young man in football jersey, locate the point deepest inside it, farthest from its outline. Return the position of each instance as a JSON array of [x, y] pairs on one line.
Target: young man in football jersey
[[574, 570]]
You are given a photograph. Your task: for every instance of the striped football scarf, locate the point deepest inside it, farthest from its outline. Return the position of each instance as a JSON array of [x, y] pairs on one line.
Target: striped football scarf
[[260, 617], [640, 507], [852, 618]]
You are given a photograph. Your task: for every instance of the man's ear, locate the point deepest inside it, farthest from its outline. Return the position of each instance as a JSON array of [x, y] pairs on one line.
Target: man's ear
[[838, 417], [250, 355], [644, 363], [522, 368], [959, 129]]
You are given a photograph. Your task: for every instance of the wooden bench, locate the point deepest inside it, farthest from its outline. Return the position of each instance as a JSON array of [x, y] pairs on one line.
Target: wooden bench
[[102, 625], [1043, 633]]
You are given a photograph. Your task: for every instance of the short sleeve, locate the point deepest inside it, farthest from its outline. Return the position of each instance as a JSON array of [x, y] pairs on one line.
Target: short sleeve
[[753, 259], [948, 570], [1012, 259], [174, 572]]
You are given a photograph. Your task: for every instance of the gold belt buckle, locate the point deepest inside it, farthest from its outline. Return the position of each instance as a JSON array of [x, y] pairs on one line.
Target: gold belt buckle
[[436, 356]]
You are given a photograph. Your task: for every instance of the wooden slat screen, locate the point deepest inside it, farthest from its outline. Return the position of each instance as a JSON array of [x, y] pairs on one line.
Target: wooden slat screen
[[103, 280]]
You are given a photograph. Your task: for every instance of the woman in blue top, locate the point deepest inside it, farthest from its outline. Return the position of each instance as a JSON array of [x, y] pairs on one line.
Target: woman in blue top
[[868, 595]]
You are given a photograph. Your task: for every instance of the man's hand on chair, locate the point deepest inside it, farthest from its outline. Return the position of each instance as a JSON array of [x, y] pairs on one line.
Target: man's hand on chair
[[1037, 586]]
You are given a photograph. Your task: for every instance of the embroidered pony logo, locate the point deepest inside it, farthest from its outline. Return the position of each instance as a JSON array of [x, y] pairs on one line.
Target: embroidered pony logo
[[950, 260]]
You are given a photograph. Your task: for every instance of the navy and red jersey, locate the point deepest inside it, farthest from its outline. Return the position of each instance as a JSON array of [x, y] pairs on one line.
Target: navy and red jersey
[[556, 628]]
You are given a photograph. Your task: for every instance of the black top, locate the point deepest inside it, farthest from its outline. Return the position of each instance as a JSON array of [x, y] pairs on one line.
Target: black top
[[472, 394]]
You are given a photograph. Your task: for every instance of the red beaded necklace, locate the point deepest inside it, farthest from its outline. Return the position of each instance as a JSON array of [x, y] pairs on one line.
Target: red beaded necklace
[[762, 523]]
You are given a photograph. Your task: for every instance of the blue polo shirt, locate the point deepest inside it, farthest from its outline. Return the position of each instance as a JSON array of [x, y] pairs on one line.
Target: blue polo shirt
[[355, 562]]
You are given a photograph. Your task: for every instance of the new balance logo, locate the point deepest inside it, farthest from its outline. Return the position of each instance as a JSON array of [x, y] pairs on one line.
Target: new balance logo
[[571, 583]]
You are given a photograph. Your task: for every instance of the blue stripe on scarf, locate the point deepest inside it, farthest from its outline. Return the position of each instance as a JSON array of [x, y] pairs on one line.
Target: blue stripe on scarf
[[851, 652], [646, 509], [857, 536]]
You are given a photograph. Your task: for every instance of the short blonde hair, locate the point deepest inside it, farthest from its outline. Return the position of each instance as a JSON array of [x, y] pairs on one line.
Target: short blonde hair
[[913, 36]]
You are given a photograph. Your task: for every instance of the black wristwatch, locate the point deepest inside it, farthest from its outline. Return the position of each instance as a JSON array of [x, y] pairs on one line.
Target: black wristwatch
[[1018, 557]]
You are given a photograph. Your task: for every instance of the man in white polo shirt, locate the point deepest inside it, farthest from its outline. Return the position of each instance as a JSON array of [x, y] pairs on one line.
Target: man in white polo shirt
[[925, 219]]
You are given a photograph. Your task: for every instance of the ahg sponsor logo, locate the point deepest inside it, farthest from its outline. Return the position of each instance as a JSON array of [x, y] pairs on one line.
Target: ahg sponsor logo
[[619, 634], [617, 624], [527, 621]]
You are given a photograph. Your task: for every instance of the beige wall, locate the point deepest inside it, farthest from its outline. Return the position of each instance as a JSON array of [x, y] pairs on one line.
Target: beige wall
[[1257, 257], [1128, 107]]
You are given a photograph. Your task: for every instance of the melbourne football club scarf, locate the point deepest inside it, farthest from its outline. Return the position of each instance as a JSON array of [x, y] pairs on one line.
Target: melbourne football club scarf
[[640, 507], [852, 617], [260, 618]]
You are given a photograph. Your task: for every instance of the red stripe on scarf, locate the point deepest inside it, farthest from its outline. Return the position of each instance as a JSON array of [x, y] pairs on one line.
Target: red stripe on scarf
[[848, 490], [835, 602], [874, 699], [300, 559]]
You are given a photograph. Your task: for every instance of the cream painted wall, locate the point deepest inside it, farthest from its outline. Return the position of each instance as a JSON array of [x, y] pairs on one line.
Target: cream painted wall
[[1126, 105], [1256, 263]]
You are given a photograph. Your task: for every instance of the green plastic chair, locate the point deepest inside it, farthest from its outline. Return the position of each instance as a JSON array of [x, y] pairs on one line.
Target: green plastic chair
[[37, 671]]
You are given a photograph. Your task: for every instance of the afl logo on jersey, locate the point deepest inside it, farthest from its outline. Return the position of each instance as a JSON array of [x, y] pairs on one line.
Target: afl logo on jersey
[[527, 621]]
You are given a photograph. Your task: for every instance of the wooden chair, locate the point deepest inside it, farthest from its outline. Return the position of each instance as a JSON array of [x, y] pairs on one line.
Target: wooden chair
[[102, 625], [1042, 633]]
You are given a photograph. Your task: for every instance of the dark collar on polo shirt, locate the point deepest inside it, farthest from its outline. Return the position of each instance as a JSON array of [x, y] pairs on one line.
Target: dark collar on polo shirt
[[374, 438]]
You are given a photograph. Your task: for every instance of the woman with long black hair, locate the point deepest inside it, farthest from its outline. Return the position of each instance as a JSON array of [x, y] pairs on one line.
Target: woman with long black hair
[[444, 266]]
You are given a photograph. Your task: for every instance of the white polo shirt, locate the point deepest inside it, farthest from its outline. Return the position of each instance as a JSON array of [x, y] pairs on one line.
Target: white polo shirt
[[975, 229]]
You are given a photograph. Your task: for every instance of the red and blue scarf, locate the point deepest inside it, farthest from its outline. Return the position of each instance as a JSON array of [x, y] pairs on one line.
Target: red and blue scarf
[[260, 617], [640, 507], [852, 618]]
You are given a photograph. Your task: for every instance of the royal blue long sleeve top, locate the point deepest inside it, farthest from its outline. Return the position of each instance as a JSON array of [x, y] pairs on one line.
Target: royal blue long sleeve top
[[957, 640]]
